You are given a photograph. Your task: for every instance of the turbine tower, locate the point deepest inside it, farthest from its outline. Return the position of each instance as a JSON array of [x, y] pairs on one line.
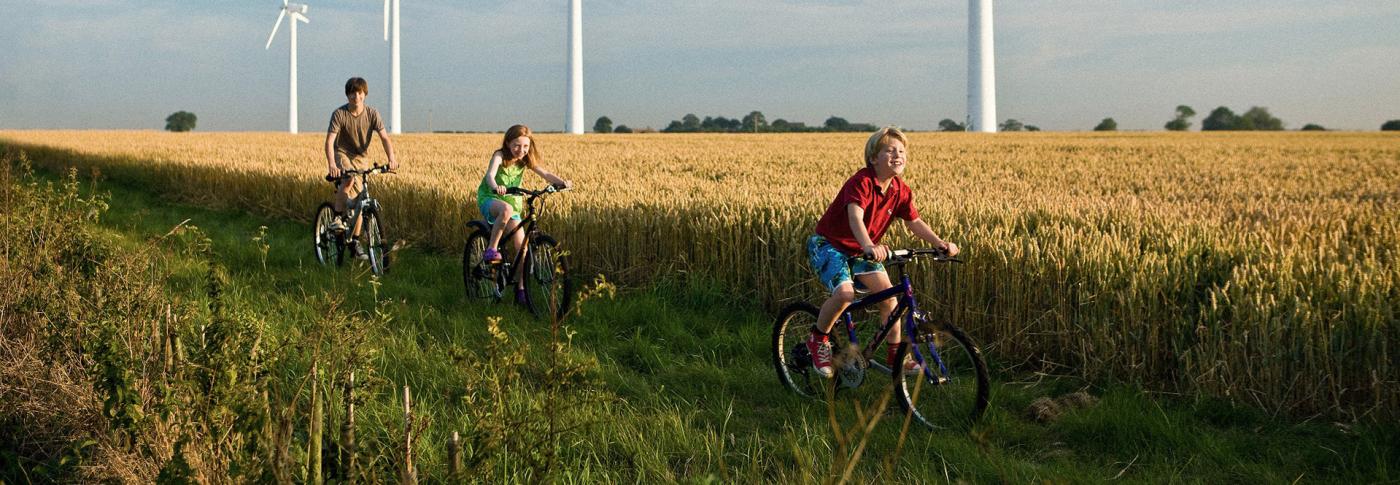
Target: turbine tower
[[298, 12], [573, 119], [981, 68], [395, 108]]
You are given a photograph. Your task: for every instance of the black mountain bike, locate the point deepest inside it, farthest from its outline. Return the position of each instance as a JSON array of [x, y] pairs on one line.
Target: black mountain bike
[[952, 389], [331, 243], [549, 290]]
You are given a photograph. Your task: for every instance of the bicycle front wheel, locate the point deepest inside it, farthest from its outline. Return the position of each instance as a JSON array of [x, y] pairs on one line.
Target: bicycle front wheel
[[548, 288], [790, 356], [329, 248], [372, 242], [953, 388], [478, 275]]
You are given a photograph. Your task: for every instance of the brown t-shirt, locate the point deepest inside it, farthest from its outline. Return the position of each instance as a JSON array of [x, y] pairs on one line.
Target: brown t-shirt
[[352, 133]]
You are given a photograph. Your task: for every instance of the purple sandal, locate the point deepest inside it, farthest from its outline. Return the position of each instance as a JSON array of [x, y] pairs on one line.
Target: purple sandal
[[491, 255]]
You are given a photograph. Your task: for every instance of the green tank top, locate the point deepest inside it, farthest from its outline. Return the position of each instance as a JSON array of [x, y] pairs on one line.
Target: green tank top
[[505, 177]]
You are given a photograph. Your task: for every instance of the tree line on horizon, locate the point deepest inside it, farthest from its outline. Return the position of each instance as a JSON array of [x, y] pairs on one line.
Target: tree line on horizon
[[1257, 118]]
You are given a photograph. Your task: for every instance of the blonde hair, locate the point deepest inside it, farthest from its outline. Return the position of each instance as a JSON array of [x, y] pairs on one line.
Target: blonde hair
[[880, 139]]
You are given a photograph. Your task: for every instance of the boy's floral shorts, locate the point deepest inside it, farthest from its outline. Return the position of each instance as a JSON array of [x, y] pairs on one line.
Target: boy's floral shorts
[[834, 267]]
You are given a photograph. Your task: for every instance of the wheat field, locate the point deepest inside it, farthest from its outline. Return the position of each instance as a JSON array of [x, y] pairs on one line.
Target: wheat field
[[1255, 266]]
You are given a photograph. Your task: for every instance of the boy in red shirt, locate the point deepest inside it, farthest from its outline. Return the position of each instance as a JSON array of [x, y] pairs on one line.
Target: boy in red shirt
[[852, 227]]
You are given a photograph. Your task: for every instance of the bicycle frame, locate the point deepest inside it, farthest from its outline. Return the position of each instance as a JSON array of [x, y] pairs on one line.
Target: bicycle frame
[[905, 308], [529, 226], [356, 206]]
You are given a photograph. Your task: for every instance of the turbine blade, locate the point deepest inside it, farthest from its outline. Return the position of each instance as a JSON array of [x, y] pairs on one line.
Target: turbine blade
[[386, 20], [301, 17], [280, 15]]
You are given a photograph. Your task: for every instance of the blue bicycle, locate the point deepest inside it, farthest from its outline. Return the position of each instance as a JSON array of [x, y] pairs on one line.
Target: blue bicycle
[[952, 389]]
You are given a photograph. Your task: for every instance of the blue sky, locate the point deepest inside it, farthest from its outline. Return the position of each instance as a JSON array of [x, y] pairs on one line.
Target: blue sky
[[484, 65]]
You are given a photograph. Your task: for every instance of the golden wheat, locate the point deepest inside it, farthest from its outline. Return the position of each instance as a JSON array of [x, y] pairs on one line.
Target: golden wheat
[[1257, 266]]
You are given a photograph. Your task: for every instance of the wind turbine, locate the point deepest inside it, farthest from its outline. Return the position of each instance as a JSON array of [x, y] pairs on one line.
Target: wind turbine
[[395, 123], [573, 119], [981, 68], [298, 12]]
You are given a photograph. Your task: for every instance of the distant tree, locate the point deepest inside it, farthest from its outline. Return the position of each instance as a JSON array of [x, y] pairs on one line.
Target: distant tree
[[1220, 119], [1258, 118], [690, 122], [1012, 124], [1392, 125], [180, 121], [835, 123], [603, 125], [861, 127], [949, 125], [674, 127], [1032, 128], [1313, 127], [755, 122], [780, 126], [1182, 122], [1107, 125], [622, 129]]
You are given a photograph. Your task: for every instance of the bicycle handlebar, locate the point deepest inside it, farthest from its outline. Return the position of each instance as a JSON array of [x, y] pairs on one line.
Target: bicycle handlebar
[[345, 174], [548, 189], [901, 256]]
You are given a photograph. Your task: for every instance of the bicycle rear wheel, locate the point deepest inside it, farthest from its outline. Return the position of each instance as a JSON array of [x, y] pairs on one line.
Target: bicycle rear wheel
[[479, 277], [372, 242], [790, 357], [548, 287], [953, 389], [328, 245]]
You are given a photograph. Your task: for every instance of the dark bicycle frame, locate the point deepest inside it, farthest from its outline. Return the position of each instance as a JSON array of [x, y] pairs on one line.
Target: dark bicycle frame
[[526, 224], [905, 308]]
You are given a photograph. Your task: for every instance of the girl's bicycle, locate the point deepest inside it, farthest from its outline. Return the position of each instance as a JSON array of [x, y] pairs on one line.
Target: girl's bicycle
[[952, 387], [548, 287], [331, 242]]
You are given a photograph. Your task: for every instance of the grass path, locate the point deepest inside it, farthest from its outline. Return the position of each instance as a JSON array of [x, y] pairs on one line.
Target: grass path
[[686, 392]]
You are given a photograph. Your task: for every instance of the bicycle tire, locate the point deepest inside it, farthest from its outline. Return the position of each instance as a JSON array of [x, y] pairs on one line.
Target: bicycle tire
[[959, 395], [326, 244], [789, 352], [372, 242], [548, 284], [479, 279]]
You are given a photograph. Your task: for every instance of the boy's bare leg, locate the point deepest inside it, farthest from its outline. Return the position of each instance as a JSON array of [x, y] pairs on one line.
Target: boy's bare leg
[[877, 282], [837, 303]]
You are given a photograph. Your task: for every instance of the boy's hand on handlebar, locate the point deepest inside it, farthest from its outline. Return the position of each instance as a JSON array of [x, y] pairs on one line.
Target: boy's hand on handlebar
[[879, 253], [951, 248], [333, 173], [500, 190]]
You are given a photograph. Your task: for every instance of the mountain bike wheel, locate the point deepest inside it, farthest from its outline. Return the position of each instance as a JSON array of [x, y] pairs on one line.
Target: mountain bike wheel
[[953, 389], [790, 357], [372, 242], [479, 277], [548, 287], [327, 244]]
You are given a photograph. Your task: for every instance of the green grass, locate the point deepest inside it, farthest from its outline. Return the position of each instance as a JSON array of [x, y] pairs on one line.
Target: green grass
[[685, 391]]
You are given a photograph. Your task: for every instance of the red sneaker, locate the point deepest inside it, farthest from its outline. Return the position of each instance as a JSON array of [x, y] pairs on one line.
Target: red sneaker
[[911, 368], [819, 347]]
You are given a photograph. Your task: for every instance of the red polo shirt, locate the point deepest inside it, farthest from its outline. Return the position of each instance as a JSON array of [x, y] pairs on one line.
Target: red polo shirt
[[863, 189]]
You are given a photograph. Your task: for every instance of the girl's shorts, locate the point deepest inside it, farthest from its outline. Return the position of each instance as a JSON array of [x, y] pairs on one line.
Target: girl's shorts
[[834, 267], [484, 205]]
